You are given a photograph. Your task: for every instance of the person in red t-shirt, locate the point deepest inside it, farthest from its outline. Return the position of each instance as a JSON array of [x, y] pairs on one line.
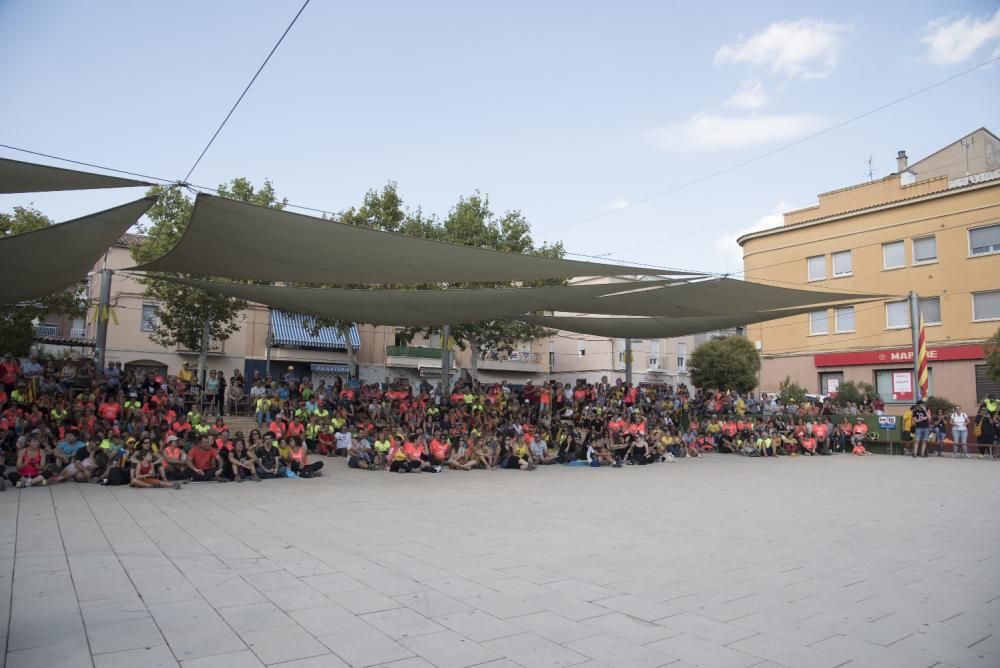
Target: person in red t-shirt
[[439, 450], [203, 462]]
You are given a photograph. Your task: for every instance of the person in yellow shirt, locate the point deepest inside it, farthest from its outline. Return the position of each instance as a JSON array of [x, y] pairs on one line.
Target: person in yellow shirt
[[186, 375]]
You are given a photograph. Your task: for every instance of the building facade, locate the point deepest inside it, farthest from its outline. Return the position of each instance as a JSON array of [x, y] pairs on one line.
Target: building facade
[[933, 228]]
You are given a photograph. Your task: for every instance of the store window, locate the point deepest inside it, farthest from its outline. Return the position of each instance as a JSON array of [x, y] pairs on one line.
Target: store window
[[829, 381], [893, 255], [816, 267], [895, 386], [842, 264], [150, 317]]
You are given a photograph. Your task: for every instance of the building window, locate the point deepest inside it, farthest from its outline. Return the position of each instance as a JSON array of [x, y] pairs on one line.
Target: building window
[[581, 347], [844, 319], [897, 314], [681, 356], [150, 317], [984, 240], [925, 250], [986, 305], [654, 354], [893, 255], [819, 323], [816, 267], [552, 359], [930, 308], [842, 263]]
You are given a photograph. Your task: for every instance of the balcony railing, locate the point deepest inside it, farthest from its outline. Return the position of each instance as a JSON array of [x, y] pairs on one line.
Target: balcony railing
[[78, 333], [516, 356], [413, 351], [46, 330]]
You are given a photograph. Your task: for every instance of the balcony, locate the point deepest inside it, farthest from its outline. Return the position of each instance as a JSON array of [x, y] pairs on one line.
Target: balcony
[[46, 330], [517, 361], [78, 333], [413, 357]]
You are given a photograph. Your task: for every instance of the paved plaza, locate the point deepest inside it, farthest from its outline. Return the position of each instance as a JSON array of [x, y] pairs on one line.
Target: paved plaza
[[723, 561]]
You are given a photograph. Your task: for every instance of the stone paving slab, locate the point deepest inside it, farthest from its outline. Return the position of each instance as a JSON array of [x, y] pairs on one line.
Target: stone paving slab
[[722, 561]]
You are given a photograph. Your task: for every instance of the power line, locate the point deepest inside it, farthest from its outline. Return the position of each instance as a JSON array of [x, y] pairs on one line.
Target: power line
[[779, 149], [245, 90], [85, 164]]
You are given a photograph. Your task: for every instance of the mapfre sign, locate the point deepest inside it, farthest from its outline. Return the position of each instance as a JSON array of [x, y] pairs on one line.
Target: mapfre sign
[[899, 356]]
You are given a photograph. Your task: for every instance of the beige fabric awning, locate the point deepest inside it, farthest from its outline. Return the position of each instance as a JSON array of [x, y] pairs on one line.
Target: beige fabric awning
[[28, 177], [656, 328], [417, 308], [37, 264], [232, 239]]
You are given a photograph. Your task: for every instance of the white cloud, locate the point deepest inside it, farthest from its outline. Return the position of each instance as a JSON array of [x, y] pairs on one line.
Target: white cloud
[[749, 95], [803, 49], [619, 203], [951, 42], [705, 132], [731, 251]]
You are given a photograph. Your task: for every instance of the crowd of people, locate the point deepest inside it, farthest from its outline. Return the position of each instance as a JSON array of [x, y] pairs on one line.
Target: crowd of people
[[118, 427]]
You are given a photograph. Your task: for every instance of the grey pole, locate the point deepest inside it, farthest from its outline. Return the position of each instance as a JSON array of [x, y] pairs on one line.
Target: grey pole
[[628, 361], [445, 361], [103, 315], [267, 343], [915, 333], [203, 355]]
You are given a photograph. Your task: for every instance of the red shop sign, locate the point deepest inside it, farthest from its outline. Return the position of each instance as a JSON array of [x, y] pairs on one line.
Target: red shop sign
[[899, 356]]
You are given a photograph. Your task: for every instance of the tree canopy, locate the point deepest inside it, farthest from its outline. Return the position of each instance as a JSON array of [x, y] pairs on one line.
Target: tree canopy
[[993, 356], [16, 322], [183, 311], [729, 363]]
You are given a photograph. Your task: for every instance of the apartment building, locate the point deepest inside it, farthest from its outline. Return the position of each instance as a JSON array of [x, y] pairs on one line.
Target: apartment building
[[933, 227]]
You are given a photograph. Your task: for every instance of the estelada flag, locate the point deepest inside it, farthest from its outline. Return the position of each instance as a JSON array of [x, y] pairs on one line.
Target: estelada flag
[[922, 375]]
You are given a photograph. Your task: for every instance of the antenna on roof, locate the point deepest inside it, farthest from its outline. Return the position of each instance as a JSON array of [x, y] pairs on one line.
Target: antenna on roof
[[968, 143], [871, 170]]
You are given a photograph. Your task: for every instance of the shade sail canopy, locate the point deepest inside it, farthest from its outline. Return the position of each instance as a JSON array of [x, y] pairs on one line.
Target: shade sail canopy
[[27, 177], [232, 239], [656, 328], [294, 330], [39, 263], [717, 296], [419, 308]]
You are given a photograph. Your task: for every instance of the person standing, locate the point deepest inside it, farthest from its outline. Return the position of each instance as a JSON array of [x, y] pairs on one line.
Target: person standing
[[921, 429], [960, 432]]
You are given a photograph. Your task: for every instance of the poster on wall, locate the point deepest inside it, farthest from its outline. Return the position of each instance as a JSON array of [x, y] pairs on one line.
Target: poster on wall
[[902, 386], [832, 386]]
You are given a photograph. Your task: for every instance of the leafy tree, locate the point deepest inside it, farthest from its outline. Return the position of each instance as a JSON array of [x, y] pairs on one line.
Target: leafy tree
[[184, 312], [993, 356], [851, 392], [16, 320], [935, 404], [791, 392], [471, 222], [729, 363]]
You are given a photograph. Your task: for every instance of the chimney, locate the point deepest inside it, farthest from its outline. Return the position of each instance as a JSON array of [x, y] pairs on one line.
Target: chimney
[[901, 162]]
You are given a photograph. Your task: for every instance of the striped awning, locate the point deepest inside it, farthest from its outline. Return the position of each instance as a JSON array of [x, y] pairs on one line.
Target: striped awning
[[291, 330]]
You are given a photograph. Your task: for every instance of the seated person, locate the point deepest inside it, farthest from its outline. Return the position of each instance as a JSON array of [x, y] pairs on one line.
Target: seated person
[[359, 455], [269, 464], [204, 462], [174, 459], [145, 474]]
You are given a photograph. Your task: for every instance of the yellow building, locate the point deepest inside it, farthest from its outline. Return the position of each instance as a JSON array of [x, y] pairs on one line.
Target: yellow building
[[932, 227]]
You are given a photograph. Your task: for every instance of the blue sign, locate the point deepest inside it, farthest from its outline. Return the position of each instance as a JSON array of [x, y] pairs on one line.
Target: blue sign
[[887, 421]]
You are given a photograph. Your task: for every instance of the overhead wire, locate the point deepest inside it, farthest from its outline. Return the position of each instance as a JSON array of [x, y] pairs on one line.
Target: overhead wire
[[245, 91], [779, 149]]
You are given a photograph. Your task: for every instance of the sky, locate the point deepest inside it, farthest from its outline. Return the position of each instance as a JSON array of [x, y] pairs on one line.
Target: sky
[[617, 128]]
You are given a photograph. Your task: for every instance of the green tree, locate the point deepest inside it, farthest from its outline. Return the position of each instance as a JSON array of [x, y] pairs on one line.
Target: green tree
[[993, 356], [17, 320], [186, 315], [791, 392], [851, 392], [471, 222], [729, 363]]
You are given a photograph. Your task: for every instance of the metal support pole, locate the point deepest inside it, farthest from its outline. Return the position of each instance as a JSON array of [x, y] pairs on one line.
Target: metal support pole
[[267, 343], [203, 355], [103, 315], [628, 361], [915, 333], [445, 362]]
